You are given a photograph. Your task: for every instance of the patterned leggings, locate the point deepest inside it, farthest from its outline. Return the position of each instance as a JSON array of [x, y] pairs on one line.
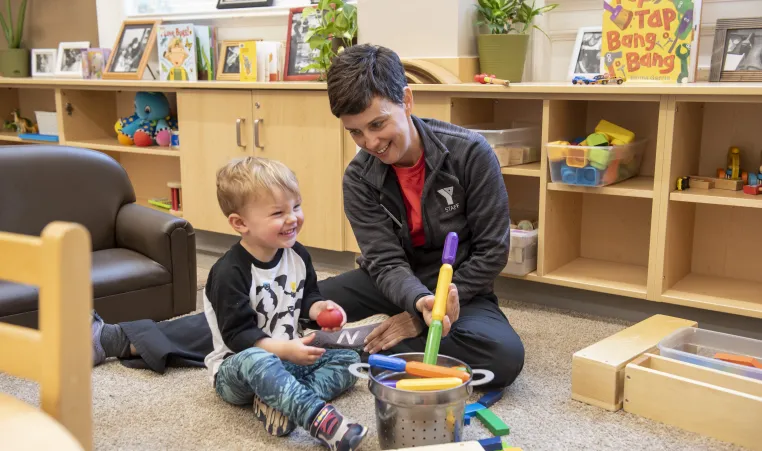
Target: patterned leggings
[[296, 391]]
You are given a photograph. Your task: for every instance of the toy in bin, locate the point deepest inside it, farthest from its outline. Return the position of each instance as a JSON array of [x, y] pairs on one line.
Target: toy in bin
[[608, 155], [151, 124]]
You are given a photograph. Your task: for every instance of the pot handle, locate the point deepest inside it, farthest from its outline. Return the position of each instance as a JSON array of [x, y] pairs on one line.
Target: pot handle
[[355, 370], [487, 377]]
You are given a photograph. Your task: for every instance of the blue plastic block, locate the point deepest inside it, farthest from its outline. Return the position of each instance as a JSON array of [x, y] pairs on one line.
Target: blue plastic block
[[491, 398], [387, 363], [491, 444], [39, 137], [466, 420], [569, 175], [588, 176], [471, 409]]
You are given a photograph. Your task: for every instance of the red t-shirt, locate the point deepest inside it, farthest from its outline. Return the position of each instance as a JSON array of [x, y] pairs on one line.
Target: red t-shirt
[[411, 184]]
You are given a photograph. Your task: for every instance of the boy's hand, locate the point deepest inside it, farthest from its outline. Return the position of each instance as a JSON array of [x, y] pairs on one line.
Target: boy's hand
[[299, 353], [319, 306], [425, 305]]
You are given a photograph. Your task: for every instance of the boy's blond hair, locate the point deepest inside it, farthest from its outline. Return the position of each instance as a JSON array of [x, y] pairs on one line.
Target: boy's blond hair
[[246, 179]]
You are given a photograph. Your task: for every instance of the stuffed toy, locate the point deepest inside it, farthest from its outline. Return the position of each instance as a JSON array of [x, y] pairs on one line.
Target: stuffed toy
[[152, 123]]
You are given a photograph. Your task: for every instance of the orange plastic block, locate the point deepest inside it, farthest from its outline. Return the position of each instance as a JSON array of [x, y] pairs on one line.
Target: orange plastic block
[[576, 158], [421, 369], [738, 359]]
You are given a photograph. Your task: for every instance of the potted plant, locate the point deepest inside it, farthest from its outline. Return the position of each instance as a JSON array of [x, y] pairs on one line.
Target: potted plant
[[14, 61], [336, 30], [503, 50]]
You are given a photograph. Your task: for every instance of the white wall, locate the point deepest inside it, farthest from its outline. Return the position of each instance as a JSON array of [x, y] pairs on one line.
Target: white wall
[[572, 14]]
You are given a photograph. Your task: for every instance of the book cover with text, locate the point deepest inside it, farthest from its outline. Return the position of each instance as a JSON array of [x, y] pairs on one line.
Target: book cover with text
[[177, 52], [651, 40]]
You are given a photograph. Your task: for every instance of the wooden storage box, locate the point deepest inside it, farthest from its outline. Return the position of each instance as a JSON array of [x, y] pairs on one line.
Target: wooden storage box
[[695, 398], [598, 370]]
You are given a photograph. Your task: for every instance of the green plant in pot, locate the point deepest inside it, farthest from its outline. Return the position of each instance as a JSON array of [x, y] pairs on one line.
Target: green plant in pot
[[503, 50], [336, 30], [14, 61]]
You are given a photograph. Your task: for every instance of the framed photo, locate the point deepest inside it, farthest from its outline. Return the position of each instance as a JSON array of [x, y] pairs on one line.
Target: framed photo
[[586, 57], [69, 59], [737, 50], [131, 51], [44, 62], [298, 52], [229, 64], [227, 4]]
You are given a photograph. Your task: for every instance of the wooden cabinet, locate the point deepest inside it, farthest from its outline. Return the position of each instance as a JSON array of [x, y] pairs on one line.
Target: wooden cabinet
[[216, 127], [298, 129]]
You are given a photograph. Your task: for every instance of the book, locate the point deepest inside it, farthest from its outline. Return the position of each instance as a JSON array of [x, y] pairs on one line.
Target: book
[[247, 55], [651, 40], [205, 54], [177, 52]]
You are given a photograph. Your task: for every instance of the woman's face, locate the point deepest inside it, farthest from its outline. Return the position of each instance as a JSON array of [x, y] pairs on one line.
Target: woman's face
[[384, 129]]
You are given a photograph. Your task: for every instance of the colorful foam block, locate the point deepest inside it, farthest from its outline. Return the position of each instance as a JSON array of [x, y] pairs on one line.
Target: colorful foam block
[[556, 153], [493, 422], [569, 175], [599, 158], [597, 139], [429, 383], [588, 176], [576, 158], [491, 444], [490, 398], [615, 131]]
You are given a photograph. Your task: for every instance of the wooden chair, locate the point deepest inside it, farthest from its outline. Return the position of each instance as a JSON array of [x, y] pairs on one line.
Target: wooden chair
[[58, 355]]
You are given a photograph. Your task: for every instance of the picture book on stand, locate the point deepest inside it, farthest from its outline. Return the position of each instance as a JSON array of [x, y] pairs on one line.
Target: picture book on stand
[[651, 40], [177, 52]]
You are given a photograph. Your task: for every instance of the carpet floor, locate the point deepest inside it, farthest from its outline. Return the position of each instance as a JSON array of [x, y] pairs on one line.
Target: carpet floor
[[141, 410]]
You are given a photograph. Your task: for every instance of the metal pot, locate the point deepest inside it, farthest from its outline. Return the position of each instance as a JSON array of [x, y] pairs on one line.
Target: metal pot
[[415, 418]]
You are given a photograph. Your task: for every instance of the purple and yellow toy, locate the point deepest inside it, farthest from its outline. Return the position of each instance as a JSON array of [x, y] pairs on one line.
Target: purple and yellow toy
[[440, 299]]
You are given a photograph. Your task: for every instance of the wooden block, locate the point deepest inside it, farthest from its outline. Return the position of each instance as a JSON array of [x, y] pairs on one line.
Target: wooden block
[[727, 184], [598, 370], [702, 184], [695, 398], [493, 422]]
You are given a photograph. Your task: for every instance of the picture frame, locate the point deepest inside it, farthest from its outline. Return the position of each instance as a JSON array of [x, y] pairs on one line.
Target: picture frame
[[69, 59], [132, 49], [298, 52], [231, 4], [228, 62], [44, 62], [587, 50], [94, 62], [737, 50]]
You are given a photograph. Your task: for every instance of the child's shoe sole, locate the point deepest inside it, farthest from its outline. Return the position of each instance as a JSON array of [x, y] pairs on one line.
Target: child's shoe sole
[[275, 423]]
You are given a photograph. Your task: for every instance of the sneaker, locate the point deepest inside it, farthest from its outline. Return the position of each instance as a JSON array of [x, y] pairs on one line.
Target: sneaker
[[96, 328], [335, 431], [351, 336], [275, 422]]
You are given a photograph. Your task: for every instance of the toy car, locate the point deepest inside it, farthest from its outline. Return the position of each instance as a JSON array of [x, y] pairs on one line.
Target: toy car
[[602, 79], [580, 79]]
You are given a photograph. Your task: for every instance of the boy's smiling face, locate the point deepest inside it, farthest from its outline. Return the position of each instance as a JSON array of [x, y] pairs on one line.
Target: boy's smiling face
[[385, 130], [269, 222]]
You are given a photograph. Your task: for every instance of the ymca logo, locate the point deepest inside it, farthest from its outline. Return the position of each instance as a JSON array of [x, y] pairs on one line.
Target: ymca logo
[[447, 194]]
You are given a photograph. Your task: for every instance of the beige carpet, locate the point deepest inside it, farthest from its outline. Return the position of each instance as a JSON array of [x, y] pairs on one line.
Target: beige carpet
[[140, 410]]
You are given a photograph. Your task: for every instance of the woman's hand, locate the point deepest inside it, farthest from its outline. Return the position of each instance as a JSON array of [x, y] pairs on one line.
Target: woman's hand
[[318, 307], [395, 329], [425, 305]]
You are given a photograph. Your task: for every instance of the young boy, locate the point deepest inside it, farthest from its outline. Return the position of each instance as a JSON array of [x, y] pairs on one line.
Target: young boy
[[256, 295]]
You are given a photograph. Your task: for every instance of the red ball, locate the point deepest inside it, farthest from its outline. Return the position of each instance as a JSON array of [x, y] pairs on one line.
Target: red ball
[[330, 318]]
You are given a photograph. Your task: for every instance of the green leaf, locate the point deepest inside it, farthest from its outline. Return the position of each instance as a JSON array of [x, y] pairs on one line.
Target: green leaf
[[6, 31], [308, 11], [10, 22], [20, 24], [316, 41], [341, 21]]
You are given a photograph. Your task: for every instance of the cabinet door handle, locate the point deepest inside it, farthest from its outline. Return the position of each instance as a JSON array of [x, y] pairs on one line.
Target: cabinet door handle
[[238, 123], [256, 133]]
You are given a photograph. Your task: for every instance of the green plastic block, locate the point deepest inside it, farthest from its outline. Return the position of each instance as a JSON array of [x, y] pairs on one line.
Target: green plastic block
[[597, 139], [493, 422], [599, 158]]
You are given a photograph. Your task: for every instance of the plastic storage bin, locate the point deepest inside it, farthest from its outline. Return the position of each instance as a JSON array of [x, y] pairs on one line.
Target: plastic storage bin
[[698, 346], [594, 165], [513, 146], [522, 257]]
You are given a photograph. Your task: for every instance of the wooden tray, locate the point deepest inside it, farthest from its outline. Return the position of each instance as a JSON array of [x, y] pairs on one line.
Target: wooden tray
[[695, 398]]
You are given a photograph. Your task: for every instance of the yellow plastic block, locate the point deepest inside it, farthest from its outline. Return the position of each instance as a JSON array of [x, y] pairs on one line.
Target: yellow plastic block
[[617, 142], [615, 131], [555, 152], [428, 384]]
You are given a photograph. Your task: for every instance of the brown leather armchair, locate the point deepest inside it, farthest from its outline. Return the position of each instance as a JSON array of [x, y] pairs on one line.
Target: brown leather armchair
[[143, 261]]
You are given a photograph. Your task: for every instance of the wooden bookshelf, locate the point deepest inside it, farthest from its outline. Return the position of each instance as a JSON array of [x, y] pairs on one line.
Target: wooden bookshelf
[[638, 238]]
